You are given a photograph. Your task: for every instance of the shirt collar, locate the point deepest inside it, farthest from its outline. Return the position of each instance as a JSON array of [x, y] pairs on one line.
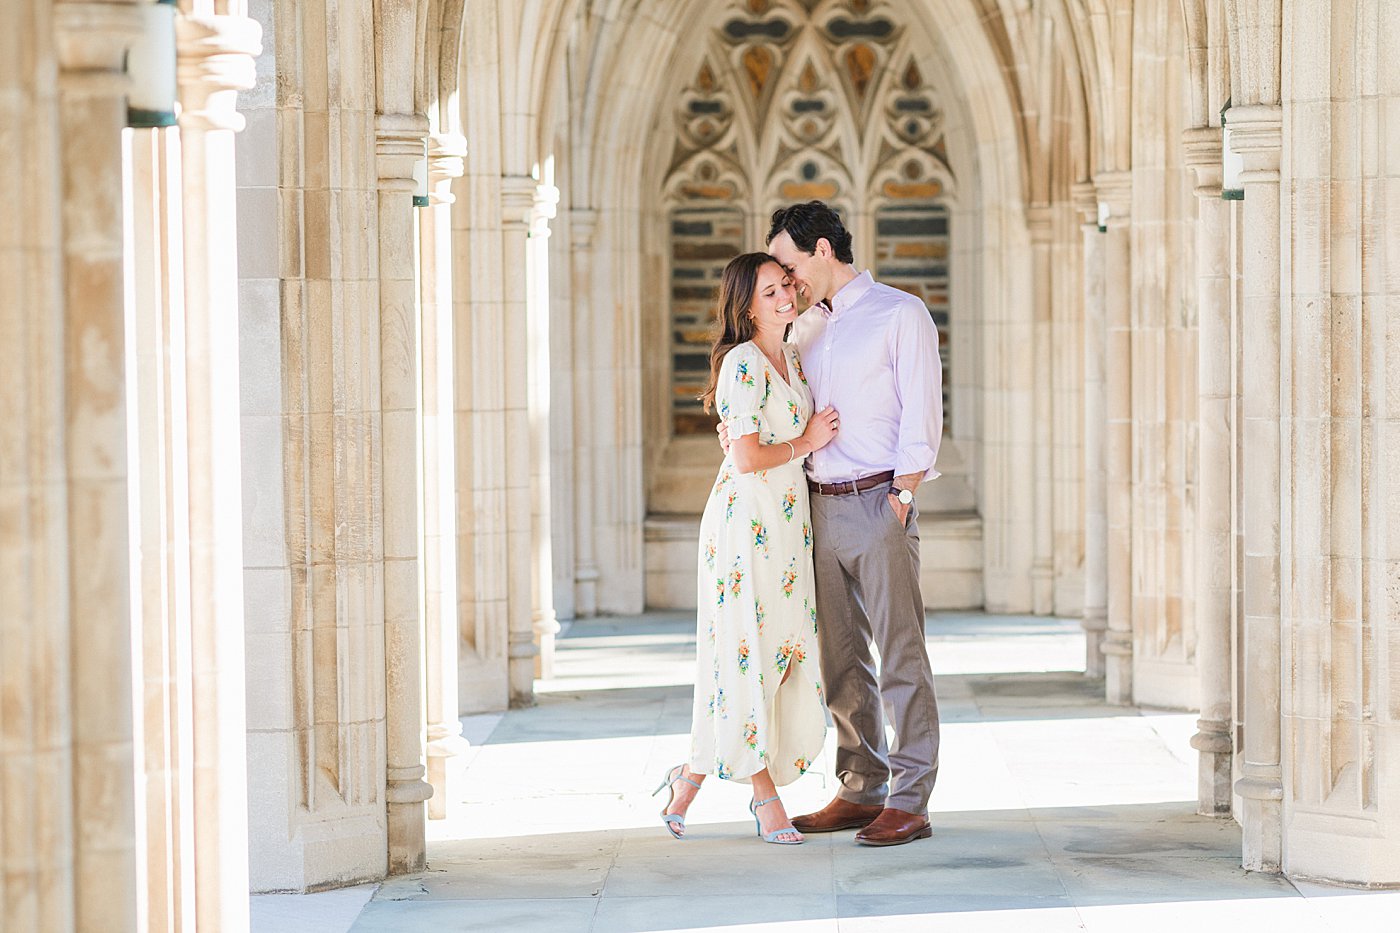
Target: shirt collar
[[849, 294]]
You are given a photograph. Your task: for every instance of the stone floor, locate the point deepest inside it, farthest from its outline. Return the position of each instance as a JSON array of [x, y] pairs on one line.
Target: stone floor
[[1053, 812]]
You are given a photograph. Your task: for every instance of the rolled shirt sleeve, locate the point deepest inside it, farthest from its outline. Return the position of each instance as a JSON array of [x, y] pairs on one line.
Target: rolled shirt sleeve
[[919, 383]]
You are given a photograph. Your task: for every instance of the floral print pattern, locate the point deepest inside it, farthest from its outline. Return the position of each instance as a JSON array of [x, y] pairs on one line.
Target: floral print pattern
[[789, 503], [760, 536], [756, 591]]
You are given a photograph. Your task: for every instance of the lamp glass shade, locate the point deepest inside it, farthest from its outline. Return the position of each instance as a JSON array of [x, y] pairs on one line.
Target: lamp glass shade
[[150, 64], [420, 181], [1103, 216], [1232, 166]]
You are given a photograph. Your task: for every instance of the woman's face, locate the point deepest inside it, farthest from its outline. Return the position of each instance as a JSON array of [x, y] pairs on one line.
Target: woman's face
[[773, 305]]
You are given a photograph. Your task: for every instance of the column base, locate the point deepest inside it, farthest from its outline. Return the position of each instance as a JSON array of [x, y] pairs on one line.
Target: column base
[[1213, 790], [1118, 668], [521, 669], [1094, 623], [408, 843], [440, 749], [1261, 819], [586, 591]]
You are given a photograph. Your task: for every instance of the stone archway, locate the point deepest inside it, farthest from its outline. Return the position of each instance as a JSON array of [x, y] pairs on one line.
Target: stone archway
[[992, 393]]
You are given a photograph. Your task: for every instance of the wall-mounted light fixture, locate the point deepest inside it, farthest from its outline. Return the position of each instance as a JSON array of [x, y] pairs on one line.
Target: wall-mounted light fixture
[[1232, 163], [1103, 216], [150, 63], [420, 179]]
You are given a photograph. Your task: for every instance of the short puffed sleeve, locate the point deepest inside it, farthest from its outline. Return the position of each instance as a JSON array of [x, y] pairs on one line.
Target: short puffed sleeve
[[739, 390]]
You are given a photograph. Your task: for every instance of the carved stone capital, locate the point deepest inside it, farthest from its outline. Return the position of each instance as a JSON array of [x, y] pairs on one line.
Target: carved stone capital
[[1203, 148], [1256, 133], [544, 209], [214, 61], [398, 145], [517, 201], [1040, 220], [583, 224], [447, 159], [1085, 198], [1116, 190], [91, 41]]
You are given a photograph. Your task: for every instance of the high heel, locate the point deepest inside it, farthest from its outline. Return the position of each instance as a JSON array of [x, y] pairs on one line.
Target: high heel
[[773, 836], [671, 820]]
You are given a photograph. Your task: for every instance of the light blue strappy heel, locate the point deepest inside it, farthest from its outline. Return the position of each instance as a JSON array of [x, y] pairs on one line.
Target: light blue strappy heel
[[671, 820], [773, 836]]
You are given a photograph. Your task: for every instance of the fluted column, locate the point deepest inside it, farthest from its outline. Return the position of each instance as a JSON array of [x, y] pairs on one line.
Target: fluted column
[[91, 40], [1257, 136], [1115, 189], [583, 224], [438, 437], [1095, 618], [399, 144], [1039, 220], [544, 621], [517, 206], [1215, 458]]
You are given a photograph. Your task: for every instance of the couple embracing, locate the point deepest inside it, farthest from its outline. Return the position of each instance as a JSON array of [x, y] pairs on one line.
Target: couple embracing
[[809, 547]]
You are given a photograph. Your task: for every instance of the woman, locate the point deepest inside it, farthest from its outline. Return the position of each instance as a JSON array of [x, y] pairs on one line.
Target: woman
[[758, 714]]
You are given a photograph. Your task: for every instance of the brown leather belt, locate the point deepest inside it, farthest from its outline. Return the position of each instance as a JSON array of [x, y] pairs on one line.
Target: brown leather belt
[[852, 486]]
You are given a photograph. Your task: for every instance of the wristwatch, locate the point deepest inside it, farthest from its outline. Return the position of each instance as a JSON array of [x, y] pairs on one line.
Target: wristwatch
[[904, 496]]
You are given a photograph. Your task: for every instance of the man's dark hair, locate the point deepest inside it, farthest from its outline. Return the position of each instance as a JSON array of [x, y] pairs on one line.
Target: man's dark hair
[[810, 222]]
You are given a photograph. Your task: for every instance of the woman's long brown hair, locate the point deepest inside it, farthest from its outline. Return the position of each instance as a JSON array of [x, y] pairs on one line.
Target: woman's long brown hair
[[736, 288]]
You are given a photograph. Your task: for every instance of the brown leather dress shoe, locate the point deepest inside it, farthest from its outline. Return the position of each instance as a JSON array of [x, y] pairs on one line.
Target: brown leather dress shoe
[[894, 828], [837, 815]]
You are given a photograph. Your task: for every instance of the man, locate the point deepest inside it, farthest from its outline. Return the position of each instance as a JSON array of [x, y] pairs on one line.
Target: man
[[870, 352]]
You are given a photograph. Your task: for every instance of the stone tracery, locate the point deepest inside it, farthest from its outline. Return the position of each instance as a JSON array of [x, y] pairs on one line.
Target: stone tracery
[[796, 101]]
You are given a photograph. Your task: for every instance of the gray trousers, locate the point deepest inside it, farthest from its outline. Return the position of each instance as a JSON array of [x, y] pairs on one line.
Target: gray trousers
[[867, 576]]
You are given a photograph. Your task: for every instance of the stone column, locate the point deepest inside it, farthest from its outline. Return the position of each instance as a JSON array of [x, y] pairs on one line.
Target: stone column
[[399, 144], [583, 223], [1039, 221], [1257, 136], [91, 41], [438, 437], [1215, 458], [1115, 189], [215, 61], [159, 516], [544, 621], [517, 207], [1095, 618]]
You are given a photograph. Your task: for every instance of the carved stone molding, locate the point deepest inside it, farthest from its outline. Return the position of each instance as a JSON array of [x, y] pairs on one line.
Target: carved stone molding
[[91, 41], [1256, 133], [215, 60], [544, 209], [447, 159], [583, 226], [1085, 198], [1116, 190], [1202, 146], [398, 146], [517, 201]]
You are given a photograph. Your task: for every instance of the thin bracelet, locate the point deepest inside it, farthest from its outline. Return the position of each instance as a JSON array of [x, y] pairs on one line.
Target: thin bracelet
[[792, 452]]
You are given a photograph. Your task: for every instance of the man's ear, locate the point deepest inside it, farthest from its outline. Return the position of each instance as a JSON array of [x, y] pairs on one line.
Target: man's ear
[[822, 248]]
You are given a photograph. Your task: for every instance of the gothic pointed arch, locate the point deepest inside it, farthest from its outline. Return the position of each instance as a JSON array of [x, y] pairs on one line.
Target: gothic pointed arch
[[797, 100]]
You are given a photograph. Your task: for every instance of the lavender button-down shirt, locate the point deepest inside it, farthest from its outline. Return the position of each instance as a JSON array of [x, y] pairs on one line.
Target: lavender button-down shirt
[[873, 355]]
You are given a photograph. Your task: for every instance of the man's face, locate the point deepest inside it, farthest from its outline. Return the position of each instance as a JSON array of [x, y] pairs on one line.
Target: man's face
[[810, 272]]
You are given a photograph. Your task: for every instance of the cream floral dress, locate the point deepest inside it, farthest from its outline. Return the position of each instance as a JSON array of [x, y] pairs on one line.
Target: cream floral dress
[[757, 603]]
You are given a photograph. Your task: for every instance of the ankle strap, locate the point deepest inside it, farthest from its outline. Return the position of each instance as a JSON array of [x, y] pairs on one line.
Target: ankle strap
[[764, 803]]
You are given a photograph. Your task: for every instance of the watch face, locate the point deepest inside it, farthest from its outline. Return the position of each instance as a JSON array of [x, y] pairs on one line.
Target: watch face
[[905, 496]]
